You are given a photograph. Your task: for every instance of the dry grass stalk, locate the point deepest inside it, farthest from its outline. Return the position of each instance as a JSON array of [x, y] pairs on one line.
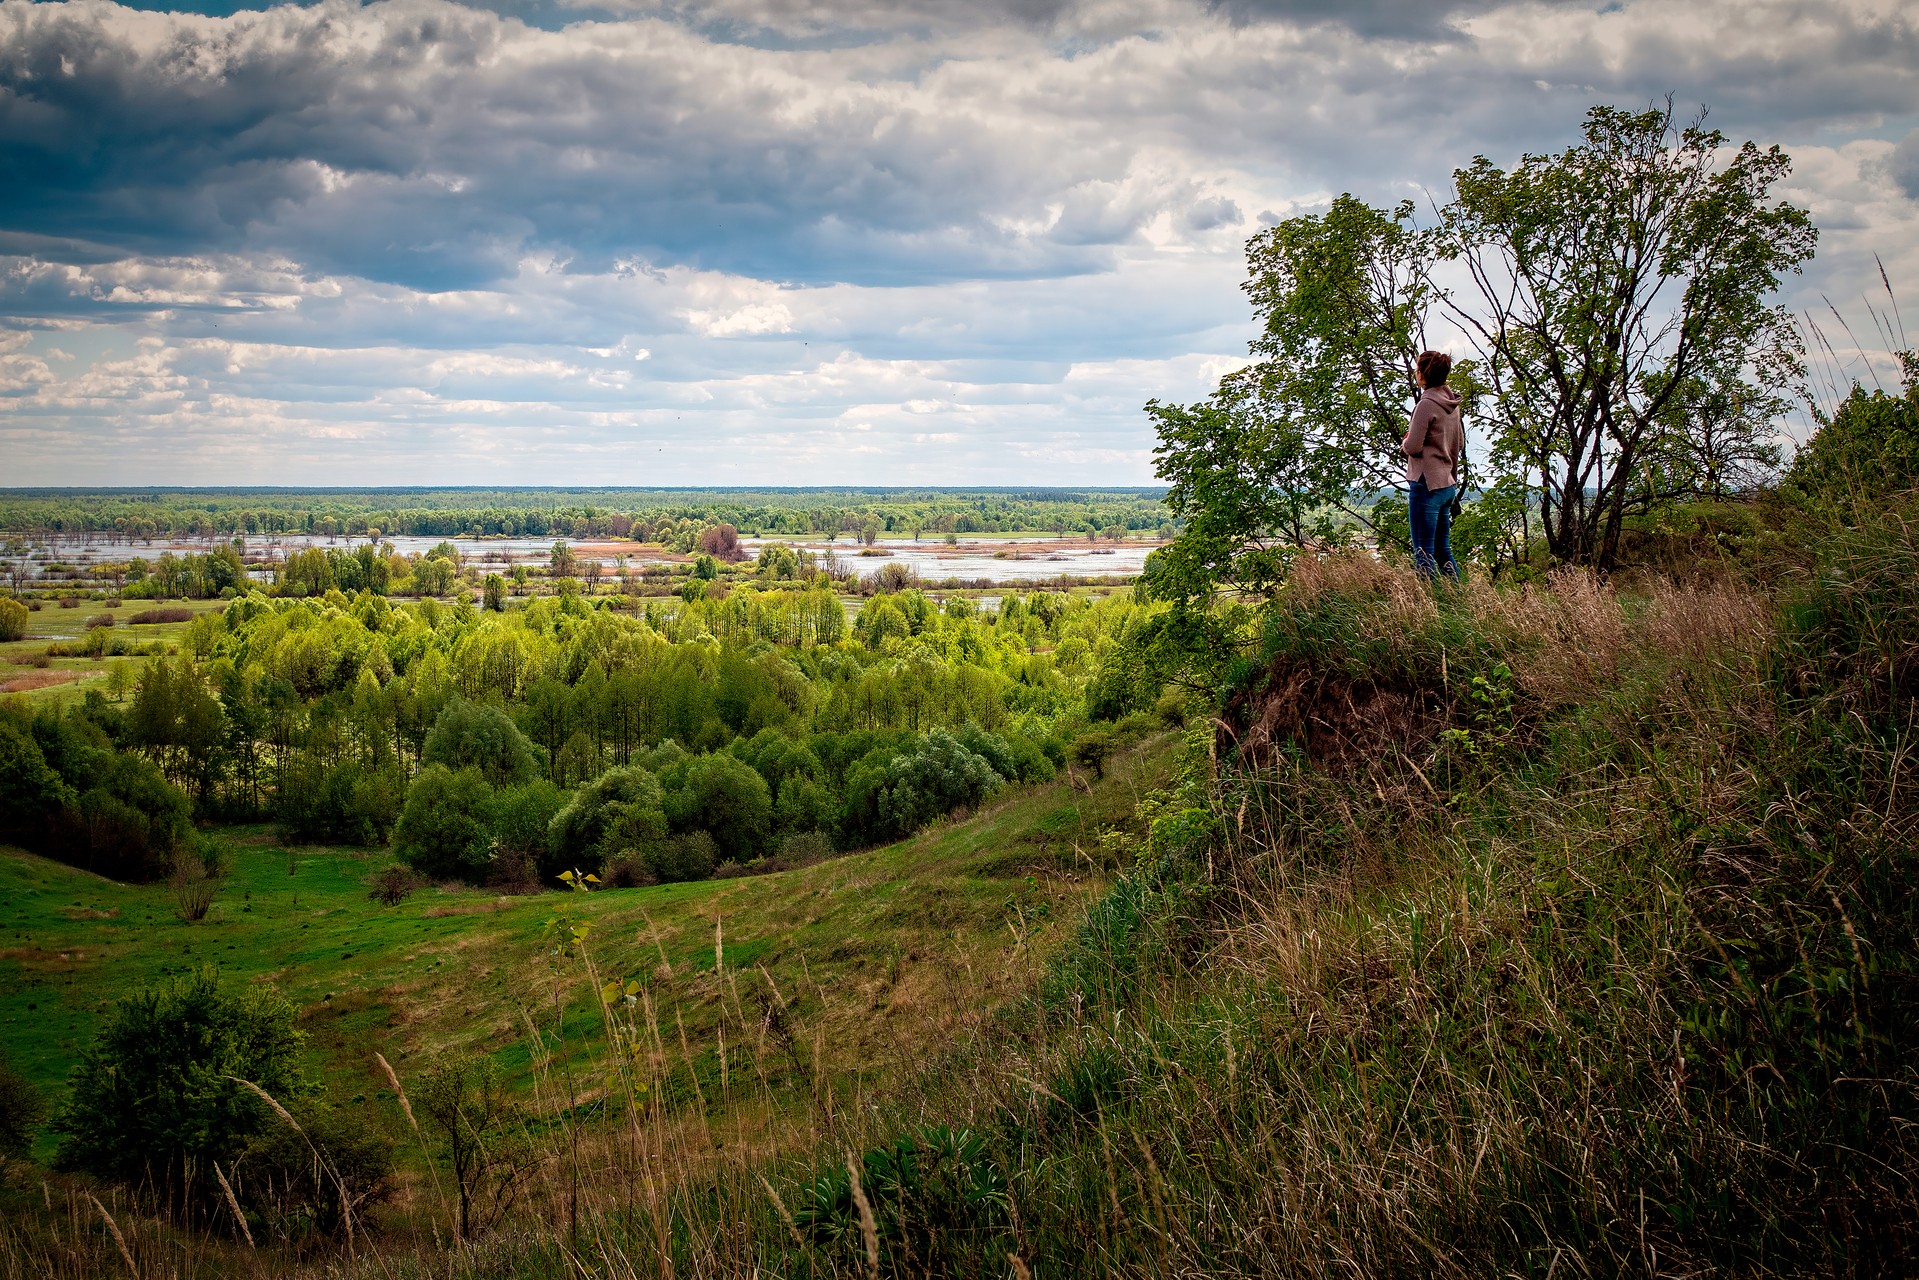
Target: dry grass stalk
[[233, 1203], [869, 1226], [120, 1241], [393, 1078]]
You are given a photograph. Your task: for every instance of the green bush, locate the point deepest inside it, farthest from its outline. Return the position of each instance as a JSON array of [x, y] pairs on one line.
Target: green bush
[[345, 803], [22, 1111], [939, 1206], [13, 619], [691, 855], [445, 831], [485, 738], [935, 778], [1868, 450], [297, 1183], [153, 1100], [619, 810], [724, 797], [522, 816]]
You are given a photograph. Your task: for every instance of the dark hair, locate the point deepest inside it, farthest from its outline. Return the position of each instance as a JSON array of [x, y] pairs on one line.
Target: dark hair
[[1433, 368]]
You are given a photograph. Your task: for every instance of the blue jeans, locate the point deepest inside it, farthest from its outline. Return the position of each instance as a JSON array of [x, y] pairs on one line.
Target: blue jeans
[[1432, 520]]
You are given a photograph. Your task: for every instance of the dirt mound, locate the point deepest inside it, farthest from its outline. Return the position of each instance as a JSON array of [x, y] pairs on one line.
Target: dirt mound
[[1340, 723]]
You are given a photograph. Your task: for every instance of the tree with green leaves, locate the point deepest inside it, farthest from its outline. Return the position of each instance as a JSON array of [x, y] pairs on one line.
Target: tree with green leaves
[[1626, 353], [445, 831], [1620, 305], [468, 1102], [466, 733], [157, 1099]]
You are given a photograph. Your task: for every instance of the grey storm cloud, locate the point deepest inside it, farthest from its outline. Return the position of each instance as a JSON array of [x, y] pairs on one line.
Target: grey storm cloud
[[431, 144], [434, 145], [232, 237], [1905, 165]]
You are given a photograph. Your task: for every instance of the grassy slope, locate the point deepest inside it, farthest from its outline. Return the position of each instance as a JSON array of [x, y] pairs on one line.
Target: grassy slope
[[53, 624], [878, 950]]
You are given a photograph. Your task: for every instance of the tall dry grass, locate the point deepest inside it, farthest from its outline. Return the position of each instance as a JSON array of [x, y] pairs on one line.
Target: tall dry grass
[[1612, 976]]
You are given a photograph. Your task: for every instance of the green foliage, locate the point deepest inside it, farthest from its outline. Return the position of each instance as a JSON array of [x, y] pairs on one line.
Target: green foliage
[[22, 1111], [13, 618], [154, 1099], [621, 809], [722, 796], [445, 831], [466, 735], [347, 803], [471, 1109], [1594, 414], [69, 793], [301, 1182], [1568, 253], [1866, 452], [936, 777], [674, 517], [34, 792], [1091, 749], [938, 1200]]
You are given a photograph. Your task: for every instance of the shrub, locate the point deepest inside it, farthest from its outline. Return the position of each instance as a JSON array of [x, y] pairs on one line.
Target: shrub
[[22, 1111], [803, 848], [445, 831], [1092, 749], [395, 884], [99, 620], [13, 619], [723, 796], [1869, 449], [152, 616], [153, 1099], [34, 793], [193, 892], [128, 824], [935, 1197], [521, 817], [722, 542], [937, 777], [617, 811], [484, 738], [307, 1181], [466, 1101], [347, 803], [1014, 759], [627, 869], [691, 855]]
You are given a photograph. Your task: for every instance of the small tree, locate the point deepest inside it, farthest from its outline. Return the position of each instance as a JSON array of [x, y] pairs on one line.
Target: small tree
[[1092, 749], [722, 542], [14, 617], [1622, 314], [467, 1101], [486, 738], [445, 830], [154, 1099], [22, 1111]]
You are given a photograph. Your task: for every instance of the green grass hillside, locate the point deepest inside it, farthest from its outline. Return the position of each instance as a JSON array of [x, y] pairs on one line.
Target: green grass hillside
[[877, 950]]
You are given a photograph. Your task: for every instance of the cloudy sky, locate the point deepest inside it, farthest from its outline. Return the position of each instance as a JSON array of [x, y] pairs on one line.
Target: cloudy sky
[[781, 241]]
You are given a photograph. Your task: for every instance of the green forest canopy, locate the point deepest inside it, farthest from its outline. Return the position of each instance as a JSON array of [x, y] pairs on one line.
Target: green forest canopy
[[578, 513]]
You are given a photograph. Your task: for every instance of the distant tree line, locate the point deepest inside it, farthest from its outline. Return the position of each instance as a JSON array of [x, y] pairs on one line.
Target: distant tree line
[[666, 516]]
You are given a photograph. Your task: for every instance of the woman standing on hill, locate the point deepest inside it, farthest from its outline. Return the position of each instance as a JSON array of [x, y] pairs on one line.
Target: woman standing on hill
[[1434, 444]]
